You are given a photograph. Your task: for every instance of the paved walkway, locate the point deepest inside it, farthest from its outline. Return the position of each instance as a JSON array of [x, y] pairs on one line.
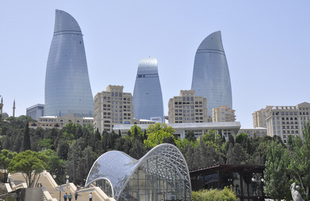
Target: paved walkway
[[52, 188]]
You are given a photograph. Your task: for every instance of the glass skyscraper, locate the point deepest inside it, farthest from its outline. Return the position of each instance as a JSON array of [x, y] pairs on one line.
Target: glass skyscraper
[[67, 86], [147, 96], [211, 75]]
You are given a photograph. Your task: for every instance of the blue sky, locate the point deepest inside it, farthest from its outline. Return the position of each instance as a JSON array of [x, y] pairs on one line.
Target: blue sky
[[267, 47]]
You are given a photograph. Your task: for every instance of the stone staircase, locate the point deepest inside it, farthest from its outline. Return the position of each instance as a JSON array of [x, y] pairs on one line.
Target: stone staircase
[[51, 189]]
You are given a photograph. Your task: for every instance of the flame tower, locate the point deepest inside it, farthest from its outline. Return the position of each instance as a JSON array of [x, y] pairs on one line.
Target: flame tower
[[67, 86], [211, 75], [147, 96]]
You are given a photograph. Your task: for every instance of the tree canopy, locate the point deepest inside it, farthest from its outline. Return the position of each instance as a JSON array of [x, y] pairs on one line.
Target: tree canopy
[[30, 164]]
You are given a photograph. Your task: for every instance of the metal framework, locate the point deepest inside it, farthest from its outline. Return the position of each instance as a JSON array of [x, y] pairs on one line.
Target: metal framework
[[162, 173]]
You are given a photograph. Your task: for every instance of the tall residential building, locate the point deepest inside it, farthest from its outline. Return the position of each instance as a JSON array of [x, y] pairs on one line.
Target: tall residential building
[[187, 108], [259, 118], [112, 107], [35, 111], [211, 75], [283, 121], [147, 96], [67, 86], [223, 114]]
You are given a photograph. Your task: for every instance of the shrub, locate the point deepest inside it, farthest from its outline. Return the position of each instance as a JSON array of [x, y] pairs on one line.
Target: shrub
[[226, 194]]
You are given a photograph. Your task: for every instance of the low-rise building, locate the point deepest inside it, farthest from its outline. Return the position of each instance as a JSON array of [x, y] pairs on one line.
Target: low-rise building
[[60, 122], [254, 132], [224, 128]]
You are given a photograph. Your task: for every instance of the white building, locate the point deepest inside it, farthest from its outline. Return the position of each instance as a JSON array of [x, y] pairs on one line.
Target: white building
[[283, 121], [225, 128], [254, 132]]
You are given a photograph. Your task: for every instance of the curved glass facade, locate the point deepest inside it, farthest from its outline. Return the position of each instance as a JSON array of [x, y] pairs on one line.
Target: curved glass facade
[[211, 75], [147, 97], [160, 174], [67, 86]]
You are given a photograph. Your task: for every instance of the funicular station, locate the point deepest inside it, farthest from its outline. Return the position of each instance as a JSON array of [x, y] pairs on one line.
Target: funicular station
[[161, 174]]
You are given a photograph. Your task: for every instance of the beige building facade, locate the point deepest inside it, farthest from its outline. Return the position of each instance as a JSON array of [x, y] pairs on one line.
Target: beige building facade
[[60, 122], [254, 132], [187, 108], [223, 114], [283, 121], [259, 118], [112, 107]]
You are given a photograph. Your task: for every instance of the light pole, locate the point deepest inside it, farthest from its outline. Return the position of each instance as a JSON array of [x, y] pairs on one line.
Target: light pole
[[67, 181], [54, 176]]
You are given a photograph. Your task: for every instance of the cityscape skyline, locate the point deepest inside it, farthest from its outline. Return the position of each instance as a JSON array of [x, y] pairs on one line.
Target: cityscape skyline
[[267, 54]]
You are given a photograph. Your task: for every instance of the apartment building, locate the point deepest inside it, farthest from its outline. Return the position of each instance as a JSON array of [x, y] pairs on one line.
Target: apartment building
[[187, 108], [259, 118], [283, 121], [223, 114], [112, 107]]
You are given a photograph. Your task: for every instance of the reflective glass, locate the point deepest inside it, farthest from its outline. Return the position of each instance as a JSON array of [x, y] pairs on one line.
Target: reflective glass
[[67, 86], [147, 95], [211, 75], [161, 174]]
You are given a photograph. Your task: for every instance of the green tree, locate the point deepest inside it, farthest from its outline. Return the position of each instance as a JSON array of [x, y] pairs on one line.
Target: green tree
[[54, 164], [236, 155], [137, 150], [190, 136], [241, 138], [46, 144], [157, 133], [74, 159], [299, 166], [62, 150], [6, 157], [26, 142], [275, 174], [137, 133], [30, 164]]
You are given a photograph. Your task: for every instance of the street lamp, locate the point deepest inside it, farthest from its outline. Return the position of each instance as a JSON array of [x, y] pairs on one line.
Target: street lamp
[[59, 188], [67, 181]]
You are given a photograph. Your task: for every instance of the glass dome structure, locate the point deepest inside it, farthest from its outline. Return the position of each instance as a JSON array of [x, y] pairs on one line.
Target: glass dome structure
[[162, 173]]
